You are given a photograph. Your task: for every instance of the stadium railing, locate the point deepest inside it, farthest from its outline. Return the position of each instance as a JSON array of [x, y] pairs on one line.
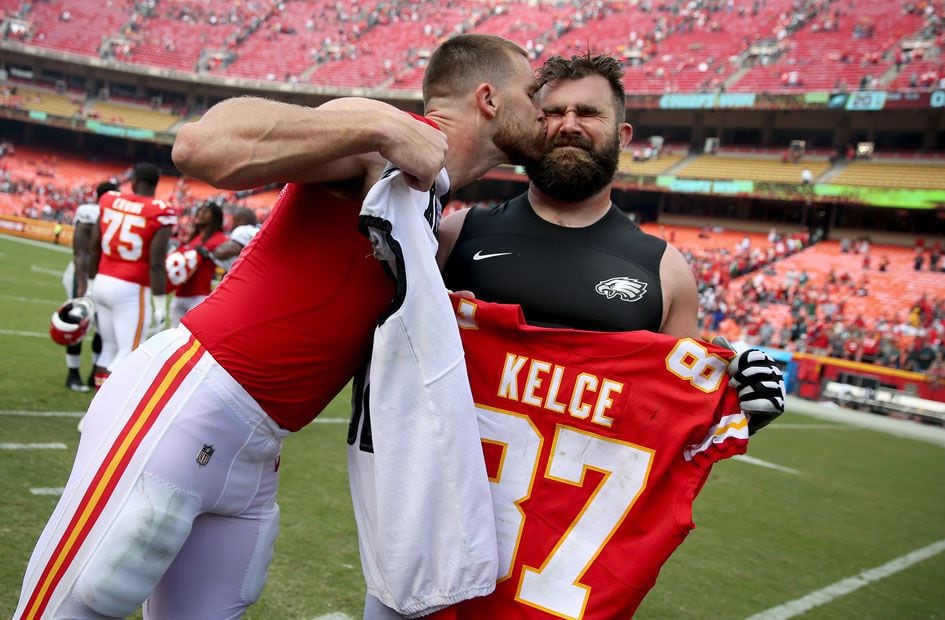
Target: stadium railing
[[885, 401]]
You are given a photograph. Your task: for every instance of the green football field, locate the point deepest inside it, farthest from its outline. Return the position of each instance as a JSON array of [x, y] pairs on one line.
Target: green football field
[[824, 520]]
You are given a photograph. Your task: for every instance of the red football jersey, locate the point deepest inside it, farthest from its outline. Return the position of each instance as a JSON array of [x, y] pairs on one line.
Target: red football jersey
[[190, 273], [128, 223], [293, 320], [596, 444]]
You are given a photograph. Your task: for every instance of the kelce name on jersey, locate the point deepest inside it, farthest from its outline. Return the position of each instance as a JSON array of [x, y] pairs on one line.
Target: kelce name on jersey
[[584, 387]]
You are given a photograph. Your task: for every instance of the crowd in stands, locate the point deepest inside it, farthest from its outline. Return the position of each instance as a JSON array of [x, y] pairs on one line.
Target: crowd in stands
[[680, 45], [817, 318], [37, 188], [37, 191], [742, 295]]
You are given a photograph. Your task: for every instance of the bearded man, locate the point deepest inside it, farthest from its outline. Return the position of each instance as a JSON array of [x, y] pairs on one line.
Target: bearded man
[[564, 251], [571, 259]]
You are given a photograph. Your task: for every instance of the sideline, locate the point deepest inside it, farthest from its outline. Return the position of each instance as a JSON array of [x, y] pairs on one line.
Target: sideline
[[37, 244], [850, 584], [872, 421]]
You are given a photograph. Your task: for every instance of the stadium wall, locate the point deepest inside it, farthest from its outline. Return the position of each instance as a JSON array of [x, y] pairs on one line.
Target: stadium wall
[[38, 230], [766, 130]]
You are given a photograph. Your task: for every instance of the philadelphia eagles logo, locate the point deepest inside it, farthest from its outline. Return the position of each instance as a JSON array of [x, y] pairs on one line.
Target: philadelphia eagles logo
[[627, 289]]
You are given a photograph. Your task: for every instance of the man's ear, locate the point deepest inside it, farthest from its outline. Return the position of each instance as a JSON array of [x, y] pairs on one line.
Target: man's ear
[[485, 100], [626, 134]]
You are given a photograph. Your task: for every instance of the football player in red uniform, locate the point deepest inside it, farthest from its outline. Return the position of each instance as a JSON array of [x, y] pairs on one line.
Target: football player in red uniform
[[190, 268], [178, 458], [127, 262]]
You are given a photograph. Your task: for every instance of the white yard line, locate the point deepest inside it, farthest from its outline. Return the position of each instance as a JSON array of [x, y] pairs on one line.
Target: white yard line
[[744, 458], [15, 332], [32, 446], [43, 414], [806, 427], [37, 244], [850, 584], [333, 616], [49, 272], [32, 300], [54, 491]]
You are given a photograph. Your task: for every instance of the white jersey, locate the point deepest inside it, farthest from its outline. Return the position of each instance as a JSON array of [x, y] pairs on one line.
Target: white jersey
[[87, 213], [241, 235], [244, 234], [421, 494], [84, 214]]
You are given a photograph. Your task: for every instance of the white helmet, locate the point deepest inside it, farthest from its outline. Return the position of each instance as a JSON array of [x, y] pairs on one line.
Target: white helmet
[[72, 320]]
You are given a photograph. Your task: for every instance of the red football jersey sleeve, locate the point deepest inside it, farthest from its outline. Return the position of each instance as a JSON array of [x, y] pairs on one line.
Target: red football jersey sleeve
[[596, 445]]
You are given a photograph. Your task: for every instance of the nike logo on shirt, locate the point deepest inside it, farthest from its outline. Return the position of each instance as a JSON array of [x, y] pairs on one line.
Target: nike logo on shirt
[[480, 256]]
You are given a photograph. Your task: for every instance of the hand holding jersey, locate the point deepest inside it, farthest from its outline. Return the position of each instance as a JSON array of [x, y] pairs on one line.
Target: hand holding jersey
[[417, 150], [760, 385], [414, 419]]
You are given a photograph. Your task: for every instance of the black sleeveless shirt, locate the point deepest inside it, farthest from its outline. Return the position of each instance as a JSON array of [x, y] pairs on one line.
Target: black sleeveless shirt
[[604, 277]]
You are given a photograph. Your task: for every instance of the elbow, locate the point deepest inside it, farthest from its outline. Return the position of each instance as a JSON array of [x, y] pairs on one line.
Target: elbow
[[184, 150], [188, 155], [197, 153]]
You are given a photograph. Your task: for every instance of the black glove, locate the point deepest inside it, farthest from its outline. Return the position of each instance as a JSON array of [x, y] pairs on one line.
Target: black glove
[[204, 252], [759, 383]]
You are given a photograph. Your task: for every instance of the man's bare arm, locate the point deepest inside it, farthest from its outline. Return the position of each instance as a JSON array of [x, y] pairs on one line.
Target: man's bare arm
[[156, 254], [95, 250], [81, 238], [248, 142], [680, 297], [447, 235], [227, 250]]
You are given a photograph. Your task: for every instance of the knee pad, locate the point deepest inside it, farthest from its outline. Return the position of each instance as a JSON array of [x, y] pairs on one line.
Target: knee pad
[[96, 343], [258, 570], [136, 550]]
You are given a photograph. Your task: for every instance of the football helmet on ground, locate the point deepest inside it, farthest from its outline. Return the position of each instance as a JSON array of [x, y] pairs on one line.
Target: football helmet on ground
[[72, 320]]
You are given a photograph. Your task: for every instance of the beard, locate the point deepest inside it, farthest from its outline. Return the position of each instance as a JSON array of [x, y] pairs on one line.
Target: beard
[[576, 173], [522, 143]]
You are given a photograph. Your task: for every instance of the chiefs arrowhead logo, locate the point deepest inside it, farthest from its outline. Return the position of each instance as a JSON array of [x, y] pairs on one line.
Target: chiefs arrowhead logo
[[626, 289]]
